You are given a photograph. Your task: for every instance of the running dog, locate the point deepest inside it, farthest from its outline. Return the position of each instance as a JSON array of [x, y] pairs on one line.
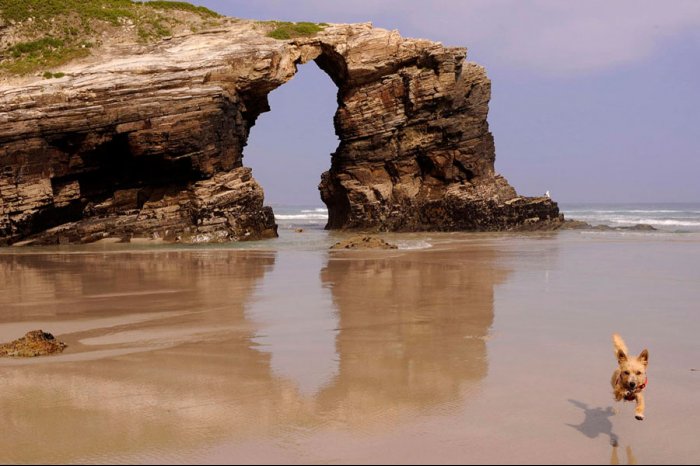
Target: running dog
[[630, 379]]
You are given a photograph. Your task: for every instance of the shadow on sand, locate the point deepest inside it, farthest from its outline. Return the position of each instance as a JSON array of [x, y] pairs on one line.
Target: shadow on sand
[[597, 422]]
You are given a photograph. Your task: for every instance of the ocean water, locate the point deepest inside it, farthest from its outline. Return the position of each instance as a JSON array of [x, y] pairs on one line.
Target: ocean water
[[302, 228], [666, 217], [301, 216]]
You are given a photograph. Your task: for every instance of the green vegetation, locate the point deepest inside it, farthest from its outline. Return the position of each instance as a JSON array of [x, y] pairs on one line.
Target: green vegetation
[[105, 10], [49, 33], [285, 30], [152, 29], [43, 10], [37, 47], [49, 75], [182, 6], [53, 32], [46, 52]]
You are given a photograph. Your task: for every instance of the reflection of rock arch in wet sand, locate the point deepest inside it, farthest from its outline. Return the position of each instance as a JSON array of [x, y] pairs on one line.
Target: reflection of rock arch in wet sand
[[148, 401], [411, 338], [413, 330], [65, 285]]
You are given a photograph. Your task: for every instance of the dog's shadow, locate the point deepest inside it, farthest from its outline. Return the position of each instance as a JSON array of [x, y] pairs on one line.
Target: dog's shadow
[[597, 422]]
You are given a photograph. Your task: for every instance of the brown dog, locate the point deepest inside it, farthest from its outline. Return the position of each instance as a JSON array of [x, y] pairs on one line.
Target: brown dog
[[630, 378]]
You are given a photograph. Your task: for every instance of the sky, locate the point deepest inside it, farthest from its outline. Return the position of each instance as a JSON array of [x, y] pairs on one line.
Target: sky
[[595, 101]]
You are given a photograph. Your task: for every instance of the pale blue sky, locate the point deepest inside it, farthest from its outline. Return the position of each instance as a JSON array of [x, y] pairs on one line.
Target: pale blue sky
[[596, 101]]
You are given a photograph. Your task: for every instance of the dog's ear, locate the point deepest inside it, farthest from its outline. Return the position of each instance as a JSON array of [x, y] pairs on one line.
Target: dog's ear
[[644, 357], [621, 356], [620, 347]]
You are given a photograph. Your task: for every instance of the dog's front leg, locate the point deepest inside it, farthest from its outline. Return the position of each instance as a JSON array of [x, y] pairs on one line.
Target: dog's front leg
[[639, 410]]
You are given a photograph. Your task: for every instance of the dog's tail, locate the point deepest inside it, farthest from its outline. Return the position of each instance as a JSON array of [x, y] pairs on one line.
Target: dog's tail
[[619, 344]]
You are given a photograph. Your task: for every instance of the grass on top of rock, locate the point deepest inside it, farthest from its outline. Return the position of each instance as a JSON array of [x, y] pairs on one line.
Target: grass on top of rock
[[47, 52], [182, 6], [49, 75], [41, 34], [106, 10], [287, 30]]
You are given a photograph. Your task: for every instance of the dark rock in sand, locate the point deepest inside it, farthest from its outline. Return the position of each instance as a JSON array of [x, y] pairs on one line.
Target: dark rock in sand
[[579, 225], [639, 227], [34, 343], [575, 225], [363, 242]]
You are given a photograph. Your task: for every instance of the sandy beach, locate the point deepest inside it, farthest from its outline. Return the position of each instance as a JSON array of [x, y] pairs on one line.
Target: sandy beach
[[481, 348], [352, 232]]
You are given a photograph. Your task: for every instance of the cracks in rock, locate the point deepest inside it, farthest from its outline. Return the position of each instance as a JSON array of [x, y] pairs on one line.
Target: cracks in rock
[[407, 103], [428, 61], [468, 174], [49, 218], [426, 165], [393, 172], [337, 200]]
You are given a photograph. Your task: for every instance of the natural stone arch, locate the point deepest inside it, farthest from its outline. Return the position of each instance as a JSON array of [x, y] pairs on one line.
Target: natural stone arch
[[415, 150], [151, 145]]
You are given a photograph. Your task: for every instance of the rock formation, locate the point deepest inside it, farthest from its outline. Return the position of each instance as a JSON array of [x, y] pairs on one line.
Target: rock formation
[[34, 343], [148, 141], [363, 242]]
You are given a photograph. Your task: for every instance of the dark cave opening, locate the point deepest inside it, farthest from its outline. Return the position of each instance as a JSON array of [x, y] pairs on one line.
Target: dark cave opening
[[108, 179]]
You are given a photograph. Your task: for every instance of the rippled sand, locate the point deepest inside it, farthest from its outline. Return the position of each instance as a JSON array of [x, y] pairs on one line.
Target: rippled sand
[[484, 348]]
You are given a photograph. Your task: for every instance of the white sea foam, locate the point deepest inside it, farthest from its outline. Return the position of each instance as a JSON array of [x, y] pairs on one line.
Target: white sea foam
[[633, 220], [664, 211], [635, 211], [662, 222], [319, 210], [665, 217], [422, 244], [307, 216]]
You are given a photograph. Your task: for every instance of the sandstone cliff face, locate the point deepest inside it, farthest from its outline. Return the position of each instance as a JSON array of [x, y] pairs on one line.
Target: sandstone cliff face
[[151, 144]]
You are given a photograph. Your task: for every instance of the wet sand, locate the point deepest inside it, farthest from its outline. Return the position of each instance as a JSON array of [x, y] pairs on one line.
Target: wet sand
[[481, 349]]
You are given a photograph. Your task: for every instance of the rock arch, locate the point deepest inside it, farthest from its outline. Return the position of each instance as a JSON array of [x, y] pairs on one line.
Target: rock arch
[[151, 145]]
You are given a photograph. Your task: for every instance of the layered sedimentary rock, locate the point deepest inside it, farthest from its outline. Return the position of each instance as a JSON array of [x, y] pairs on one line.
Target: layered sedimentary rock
[[148, 142]]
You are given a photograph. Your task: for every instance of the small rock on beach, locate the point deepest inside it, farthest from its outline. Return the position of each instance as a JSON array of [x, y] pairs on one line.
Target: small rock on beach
[[34, 343], [363, 242]]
